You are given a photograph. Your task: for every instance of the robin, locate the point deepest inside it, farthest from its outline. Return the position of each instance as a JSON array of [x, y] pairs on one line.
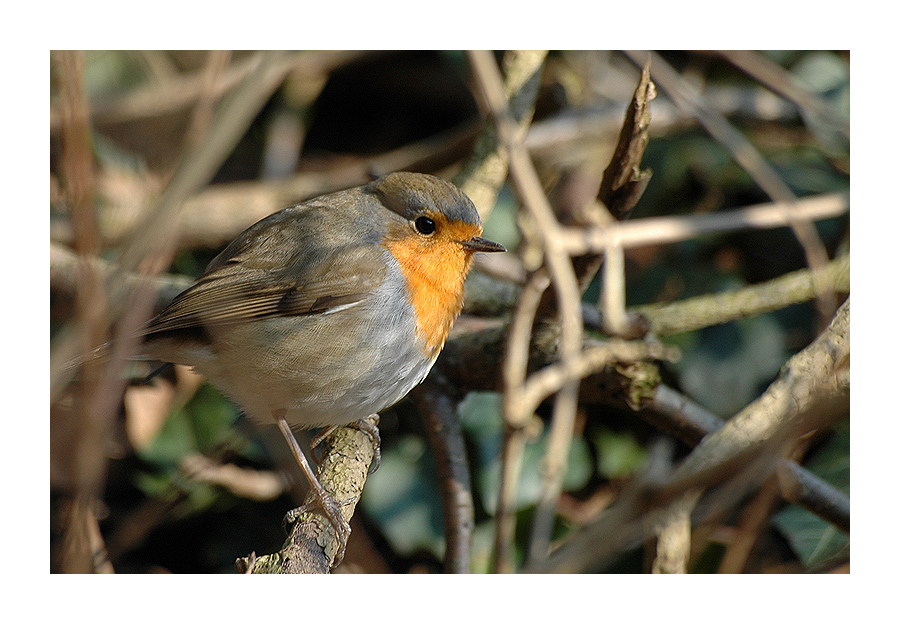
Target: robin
[[331, 310]]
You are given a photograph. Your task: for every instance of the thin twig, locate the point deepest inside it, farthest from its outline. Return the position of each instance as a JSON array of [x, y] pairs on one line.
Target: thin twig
[[592, 359], [529, 190], [216, 64], [799, 485], [706, 310], [484, 173], [515, 368], [748, 157], [661, 230], [612, 294]]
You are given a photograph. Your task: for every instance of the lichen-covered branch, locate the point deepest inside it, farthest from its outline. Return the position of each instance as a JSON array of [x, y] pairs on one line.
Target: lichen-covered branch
[[813, 386], [312, 544], [706, 310]]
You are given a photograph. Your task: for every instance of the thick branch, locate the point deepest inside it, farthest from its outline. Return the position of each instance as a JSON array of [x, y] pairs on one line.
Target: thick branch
[[816, 379], [312, 544]]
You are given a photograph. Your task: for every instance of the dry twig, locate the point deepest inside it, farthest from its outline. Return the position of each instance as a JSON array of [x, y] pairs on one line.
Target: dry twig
[[559, 265], [486, 170], [813, 386], [746, 155]]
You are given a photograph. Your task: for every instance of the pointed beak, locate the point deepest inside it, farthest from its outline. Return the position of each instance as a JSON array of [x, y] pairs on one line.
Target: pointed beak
[[476, 243]]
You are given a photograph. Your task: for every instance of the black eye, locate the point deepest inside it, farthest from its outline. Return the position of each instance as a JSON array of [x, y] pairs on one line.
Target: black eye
[[425, 226]]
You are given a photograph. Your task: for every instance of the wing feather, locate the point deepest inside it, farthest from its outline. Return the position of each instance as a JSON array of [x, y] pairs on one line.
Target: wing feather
[[282, 266]]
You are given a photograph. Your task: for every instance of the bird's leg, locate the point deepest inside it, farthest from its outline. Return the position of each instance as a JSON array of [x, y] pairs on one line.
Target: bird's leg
[[323, 502], [366, 426]]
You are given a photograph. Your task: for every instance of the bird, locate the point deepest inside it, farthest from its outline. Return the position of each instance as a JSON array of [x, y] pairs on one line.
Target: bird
[[330, 310]]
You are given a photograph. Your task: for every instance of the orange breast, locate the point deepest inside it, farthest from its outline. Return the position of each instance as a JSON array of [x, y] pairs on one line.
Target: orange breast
[[435, 270]]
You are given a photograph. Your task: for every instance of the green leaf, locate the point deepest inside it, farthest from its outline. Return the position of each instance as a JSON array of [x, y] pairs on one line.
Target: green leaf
[[620, 454]]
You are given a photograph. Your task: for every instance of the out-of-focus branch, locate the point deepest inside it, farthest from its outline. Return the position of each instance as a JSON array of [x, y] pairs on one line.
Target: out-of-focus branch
[[181, 91], [215, 215], [77, 162], [152, 243], [116, 298], [438, 410], [82, 544], [776, 78], [83, 550], [259, 485], [211, 75], [754, 518], [64, 278]]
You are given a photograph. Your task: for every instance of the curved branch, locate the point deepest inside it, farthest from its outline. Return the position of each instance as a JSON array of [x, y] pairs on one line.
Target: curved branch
[[438, 411], [706, 310]]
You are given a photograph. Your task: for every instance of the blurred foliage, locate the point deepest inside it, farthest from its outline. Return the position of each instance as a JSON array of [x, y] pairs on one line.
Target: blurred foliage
[[384, 101], [482, 420]]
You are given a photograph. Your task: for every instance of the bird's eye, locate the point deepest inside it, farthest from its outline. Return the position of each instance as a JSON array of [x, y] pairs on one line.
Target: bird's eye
[[425, 226]]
